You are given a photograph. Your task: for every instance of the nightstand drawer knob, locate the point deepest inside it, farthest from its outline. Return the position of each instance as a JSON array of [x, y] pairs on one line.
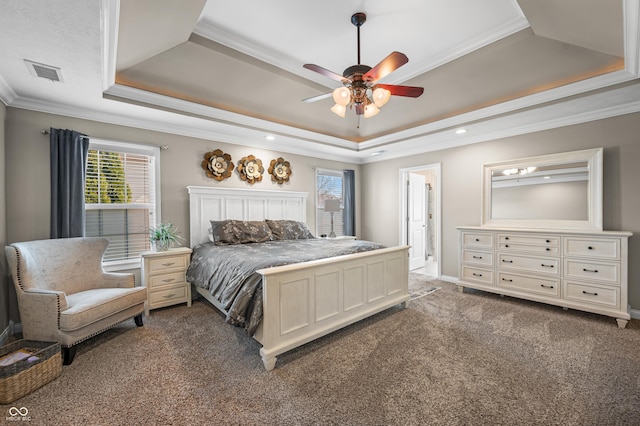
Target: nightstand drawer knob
[[169, 296], [168, 280]]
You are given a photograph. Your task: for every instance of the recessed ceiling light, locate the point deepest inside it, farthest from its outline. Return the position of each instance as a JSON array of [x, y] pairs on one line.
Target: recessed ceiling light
[[269, 137], [461, 131]]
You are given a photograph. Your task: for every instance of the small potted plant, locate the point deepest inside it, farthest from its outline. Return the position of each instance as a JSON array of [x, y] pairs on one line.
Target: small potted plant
[[164, 236]]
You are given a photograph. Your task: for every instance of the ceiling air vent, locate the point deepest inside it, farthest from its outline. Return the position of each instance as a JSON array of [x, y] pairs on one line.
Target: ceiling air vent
[[44, 71]]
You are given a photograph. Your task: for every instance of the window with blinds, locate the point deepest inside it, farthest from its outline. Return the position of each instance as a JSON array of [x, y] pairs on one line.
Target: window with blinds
[[121, 197], [329, 186]]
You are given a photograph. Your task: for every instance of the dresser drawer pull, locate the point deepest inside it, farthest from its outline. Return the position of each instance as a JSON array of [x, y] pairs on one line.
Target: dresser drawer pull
[[590, 270], [477, 257], [589, 293], [506, 238], [548, 249], [546, 266], [507, 261], [590, 248], [168, 280], [168, 264], [548, 241], [509, 281], [477, 239], [169, 296], [546, 286], [506, 245], [477, 275]]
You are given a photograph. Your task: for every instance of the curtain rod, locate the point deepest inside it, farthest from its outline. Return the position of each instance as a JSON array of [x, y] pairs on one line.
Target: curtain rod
[[46, 132]]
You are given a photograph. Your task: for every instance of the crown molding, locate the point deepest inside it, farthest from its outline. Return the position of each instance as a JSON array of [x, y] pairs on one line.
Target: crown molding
[[7, 95]]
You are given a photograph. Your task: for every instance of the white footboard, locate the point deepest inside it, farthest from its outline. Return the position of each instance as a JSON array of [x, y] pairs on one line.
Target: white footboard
[[308, 300]]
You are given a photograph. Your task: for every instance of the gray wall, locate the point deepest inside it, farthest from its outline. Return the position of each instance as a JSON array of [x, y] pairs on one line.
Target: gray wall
[[461, 184]]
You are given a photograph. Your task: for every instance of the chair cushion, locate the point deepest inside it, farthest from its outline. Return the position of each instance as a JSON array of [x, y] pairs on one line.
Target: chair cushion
[[86, 307]]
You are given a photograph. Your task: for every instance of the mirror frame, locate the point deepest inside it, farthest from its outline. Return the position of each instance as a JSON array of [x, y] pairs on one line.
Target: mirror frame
[[593, 157]]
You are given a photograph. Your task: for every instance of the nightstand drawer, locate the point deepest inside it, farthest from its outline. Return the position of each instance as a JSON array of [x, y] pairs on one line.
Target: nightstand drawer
[[169, 296], [166, 263], [166, 279]]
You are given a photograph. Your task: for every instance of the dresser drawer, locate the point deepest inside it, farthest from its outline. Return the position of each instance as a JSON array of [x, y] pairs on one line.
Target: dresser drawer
[[608, 272], [166, 279], [169, 296], [545, 265], [479, 258], [540, 240], [546, 286], [166, 263], [478, 275], [592, 294], [477, 239], [528, 248], [602, 248]]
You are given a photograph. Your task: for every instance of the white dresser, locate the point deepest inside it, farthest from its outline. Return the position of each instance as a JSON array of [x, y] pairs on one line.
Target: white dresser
[[573, 269], [164, 275]]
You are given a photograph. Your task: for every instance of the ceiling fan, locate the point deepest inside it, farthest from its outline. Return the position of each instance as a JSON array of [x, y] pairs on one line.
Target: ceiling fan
[[360, 90]]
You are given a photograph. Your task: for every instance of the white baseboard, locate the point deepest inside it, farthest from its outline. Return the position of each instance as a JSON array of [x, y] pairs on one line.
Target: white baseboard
[[449, 279], [635, 313], [16, 327]]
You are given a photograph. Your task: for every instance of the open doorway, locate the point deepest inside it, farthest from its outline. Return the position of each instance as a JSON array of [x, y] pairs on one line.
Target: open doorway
[[420, 226]]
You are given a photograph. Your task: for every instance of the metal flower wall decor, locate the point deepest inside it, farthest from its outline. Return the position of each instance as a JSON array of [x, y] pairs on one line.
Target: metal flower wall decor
[[250, 169], [218, 165], [280, 170]]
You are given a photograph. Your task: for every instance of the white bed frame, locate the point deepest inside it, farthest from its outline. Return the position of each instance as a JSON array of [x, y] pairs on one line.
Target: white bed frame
[[303, 301]]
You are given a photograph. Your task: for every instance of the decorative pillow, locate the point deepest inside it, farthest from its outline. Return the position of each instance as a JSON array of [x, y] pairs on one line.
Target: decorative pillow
[[289, 230], [227, 232]]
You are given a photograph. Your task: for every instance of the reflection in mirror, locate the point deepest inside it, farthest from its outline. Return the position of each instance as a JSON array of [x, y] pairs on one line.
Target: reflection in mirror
[[558, 191]]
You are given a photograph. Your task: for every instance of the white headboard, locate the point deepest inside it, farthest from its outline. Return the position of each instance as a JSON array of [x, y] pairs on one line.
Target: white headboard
[[208, 203]]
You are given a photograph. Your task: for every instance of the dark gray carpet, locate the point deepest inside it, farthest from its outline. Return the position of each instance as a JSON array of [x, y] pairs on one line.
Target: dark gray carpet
[[449, 359]]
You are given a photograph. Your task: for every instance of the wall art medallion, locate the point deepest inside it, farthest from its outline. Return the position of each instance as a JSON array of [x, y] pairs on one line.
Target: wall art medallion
[[280, 170], [218, 165], [250, 169]]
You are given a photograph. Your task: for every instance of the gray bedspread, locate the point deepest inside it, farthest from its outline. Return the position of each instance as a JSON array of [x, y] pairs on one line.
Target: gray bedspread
[[229, 272]]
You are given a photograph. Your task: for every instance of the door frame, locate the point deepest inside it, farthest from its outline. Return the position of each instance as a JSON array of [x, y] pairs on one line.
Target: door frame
[[437, 167]]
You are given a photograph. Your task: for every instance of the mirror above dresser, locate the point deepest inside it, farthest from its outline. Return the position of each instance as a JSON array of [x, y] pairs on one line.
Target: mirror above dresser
[[556, 191]]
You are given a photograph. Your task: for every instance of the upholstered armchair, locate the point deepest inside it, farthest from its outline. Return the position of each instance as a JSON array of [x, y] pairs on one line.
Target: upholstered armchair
[[65, 296]]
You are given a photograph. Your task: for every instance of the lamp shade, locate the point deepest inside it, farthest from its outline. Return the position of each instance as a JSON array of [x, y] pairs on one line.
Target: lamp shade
[[381, 96], [342, 96], [339, 110], [370, 110], [331, 205]]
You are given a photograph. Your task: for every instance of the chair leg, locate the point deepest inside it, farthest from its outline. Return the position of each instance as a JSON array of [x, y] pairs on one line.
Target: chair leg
[[138, 320], [68, 354]]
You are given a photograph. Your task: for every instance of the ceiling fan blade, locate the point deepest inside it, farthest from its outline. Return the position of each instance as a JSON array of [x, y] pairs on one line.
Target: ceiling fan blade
[[318, 97], [389, 64], [326, 73], [408, 91]]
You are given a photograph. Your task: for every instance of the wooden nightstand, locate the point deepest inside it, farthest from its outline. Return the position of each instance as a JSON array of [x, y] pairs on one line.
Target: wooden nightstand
[[163, 273]]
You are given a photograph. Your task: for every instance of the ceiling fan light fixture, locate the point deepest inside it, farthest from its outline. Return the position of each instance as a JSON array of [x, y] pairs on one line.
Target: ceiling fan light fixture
[[342, 96], [381, 96], [339, 110], [370, 110]]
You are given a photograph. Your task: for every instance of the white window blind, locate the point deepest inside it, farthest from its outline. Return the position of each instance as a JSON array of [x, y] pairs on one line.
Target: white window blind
[[329, 186], [121, 197]]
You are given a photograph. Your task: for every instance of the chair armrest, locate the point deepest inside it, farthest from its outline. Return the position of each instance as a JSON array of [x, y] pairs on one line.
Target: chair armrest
[[40, 312], [117, 280]]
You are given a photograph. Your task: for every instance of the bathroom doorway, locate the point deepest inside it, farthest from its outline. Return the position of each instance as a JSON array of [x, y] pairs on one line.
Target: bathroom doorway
[[420, 212]]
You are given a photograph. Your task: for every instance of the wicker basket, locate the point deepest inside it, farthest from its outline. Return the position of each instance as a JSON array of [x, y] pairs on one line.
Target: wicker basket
[[24, 376]]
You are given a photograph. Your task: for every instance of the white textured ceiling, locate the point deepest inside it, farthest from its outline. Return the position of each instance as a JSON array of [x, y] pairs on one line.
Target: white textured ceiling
[[232, 71]]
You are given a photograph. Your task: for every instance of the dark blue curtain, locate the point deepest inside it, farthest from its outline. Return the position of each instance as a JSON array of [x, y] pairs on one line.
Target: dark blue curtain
[[349, 212], [69, 150]]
